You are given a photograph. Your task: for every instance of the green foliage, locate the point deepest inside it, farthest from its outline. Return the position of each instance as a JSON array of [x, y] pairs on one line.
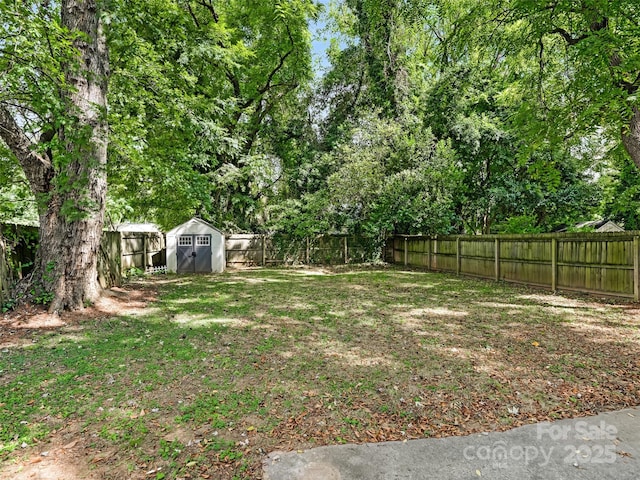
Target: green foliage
[[17, 203], [191, 103], [388, 176], [519, 224], [449, 116], [310, 215], [133, 273], [38, 61], [448, 82], [415, 188], [573, 70], [21, 244], [622, 193], [39, 294]]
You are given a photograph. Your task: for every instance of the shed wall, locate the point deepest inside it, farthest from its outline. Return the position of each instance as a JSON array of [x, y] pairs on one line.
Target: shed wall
[[196, 227]]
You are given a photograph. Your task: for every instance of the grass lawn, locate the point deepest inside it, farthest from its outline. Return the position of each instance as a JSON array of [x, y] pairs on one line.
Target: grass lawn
[[223, 369]]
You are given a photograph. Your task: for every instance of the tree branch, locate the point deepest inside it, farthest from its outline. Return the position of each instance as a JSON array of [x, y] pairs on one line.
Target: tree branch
[[568, 38], [283, 58], [37, 168], [631, 87], [193, 15], [209, 6], [603, 24], [235, 83]]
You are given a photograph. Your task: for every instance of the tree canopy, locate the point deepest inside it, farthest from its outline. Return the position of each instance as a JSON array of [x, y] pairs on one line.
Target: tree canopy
[[432, 116]]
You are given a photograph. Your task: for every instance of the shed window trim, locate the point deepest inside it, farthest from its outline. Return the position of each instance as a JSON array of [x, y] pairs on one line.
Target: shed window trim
[[203, 240], [185, 240]]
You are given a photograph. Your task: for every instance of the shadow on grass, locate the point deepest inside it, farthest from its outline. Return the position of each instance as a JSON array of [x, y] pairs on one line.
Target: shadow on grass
[[250, 361]]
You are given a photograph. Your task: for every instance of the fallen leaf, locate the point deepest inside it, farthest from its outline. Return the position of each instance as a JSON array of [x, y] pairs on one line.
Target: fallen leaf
[[70, 445]]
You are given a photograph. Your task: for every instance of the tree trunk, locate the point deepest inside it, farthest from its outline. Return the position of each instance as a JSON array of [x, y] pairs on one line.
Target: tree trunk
[[71, 225], [631, 138], [69, 181]]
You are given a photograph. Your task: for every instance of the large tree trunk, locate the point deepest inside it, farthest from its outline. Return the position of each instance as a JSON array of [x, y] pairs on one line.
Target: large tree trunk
[[71, 226], [631, 137], [70, 181]]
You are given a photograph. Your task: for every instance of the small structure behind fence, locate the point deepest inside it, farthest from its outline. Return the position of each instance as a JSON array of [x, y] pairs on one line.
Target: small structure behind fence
[[601, 263]]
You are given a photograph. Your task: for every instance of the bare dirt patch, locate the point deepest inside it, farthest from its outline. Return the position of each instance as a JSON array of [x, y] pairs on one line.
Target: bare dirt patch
[[67, 452], [18, 325], [222, 370], [64, 456]]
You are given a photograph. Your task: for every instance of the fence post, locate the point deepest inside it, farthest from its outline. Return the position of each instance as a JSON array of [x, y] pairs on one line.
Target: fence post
[[636, 269], [264, 250], [346, 249], [308, 253], [458, 258], [122, 250], [406, 251], [435, 252], [497, 259], [554, 264], [144, 251], [429, 253]]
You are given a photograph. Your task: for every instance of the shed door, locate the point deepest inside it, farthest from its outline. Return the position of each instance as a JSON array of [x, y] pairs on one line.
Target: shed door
[[194, 254], [202, 250]]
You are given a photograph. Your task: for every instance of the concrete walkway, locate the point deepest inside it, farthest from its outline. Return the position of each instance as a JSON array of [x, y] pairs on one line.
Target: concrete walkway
[[606, 446]]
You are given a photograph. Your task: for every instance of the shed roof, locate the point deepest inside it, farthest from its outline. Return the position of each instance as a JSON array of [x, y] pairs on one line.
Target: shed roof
[[194, 222], [137, 227]]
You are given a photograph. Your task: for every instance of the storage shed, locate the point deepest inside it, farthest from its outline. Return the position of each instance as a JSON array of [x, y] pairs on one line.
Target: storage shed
[[195, 247]]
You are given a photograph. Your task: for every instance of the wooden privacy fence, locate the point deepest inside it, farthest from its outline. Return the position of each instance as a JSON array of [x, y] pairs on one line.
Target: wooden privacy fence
[[252, 249], [122, 251], [110, 260], [119, 251], [601, 263], [142, 249]]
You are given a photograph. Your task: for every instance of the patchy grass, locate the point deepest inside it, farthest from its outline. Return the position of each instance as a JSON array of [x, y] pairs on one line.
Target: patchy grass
[[223, 369]]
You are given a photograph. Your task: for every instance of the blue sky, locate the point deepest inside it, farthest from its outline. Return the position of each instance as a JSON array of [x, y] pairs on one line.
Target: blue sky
[[319, 45]]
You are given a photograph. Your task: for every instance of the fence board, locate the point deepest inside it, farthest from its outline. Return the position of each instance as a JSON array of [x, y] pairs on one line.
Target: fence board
[[110, 260], [254, 249], [243, 249], [142, 249], [604, 263]]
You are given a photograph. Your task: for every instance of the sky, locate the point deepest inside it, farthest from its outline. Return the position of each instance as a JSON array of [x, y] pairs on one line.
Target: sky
[[319, 44]]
